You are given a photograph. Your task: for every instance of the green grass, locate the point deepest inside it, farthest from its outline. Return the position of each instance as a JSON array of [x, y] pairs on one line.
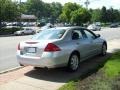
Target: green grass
[[100, 84], [112, 67], [7, 31], [69, 86]]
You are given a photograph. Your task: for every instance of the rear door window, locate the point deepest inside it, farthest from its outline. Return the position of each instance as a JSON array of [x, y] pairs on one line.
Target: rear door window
[[79, 32], [49, 34]]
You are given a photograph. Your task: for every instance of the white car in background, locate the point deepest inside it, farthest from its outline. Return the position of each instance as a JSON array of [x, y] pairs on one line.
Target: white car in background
[[25, 31], [94, 27]]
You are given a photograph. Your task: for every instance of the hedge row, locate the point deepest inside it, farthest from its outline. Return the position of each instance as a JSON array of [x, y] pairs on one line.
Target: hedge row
[[7, 31]]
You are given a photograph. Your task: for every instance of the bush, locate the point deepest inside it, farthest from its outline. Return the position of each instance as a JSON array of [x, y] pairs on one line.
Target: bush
[[7, 31]]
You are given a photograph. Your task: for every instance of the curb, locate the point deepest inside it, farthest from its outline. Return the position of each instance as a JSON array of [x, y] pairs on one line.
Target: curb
[[12, 69], [7, 35]]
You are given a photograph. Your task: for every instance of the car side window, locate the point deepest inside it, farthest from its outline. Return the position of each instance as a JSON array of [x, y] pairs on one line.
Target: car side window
[[76, 34], [89, 34]]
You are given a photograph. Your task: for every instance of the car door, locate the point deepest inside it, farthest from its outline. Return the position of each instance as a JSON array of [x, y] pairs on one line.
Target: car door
[[28, 31], [93, 42], [82, 44]]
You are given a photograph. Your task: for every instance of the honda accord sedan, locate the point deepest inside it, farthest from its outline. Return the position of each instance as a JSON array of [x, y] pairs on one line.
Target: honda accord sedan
[[60, 47]]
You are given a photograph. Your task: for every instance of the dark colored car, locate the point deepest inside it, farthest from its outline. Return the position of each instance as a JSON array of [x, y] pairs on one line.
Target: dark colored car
[[114, 25]]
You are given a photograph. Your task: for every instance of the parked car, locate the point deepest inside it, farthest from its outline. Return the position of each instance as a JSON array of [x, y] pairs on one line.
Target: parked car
[[60, 47], [94, 27], [114, 25], [25, 31]]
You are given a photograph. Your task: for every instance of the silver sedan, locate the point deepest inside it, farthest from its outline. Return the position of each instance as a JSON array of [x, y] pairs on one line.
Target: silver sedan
[[25, 31], [60, 47]]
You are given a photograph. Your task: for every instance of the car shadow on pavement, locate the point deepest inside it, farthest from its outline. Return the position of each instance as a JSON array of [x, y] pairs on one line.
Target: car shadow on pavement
[[86, 68]]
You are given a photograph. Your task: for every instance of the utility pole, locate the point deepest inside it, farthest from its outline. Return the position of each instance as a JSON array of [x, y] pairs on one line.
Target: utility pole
[[87, 3], [20, 1], [20, 12], [20, 4]]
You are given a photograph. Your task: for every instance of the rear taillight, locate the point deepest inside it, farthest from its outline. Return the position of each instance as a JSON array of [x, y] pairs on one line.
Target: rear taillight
[[18, 47], [51, 48]]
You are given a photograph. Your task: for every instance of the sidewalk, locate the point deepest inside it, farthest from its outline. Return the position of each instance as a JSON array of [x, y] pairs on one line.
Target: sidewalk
[[22, 79], [27, 83], [27, 78], [113, 45]]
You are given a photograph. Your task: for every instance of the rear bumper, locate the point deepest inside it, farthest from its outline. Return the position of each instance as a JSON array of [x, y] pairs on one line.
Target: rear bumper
[[43, 62]]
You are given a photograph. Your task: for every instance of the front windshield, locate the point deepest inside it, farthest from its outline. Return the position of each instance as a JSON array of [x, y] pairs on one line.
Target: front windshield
[[49, 34]]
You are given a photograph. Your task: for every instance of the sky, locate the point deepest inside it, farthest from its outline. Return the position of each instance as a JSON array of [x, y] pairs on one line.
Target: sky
[[93, 3]]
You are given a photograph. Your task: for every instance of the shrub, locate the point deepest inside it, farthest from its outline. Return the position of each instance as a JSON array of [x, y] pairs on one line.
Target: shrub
[[7, 31]]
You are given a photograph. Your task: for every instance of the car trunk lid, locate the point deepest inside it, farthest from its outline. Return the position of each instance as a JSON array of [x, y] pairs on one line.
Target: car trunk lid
[[34, 48]]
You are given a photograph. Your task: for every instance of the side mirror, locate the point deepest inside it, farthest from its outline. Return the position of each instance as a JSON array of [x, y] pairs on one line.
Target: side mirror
[[98, 35]]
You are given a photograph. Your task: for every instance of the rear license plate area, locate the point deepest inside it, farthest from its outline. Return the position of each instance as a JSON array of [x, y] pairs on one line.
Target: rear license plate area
[[31, 50]]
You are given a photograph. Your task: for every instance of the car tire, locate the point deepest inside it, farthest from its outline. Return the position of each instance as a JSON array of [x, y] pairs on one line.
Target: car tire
[[73, 63], [21, 65], [22, 33], [104, 49], [33, 32]]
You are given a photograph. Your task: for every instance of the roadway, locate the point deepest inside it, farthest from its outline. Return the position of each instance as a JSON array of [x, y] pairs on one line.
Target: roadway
[[109, 33], [8, 46]]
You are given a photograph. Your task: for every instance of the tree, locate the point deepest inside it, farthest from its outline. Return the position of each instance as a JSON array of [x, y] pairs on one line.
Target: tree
[[56, 10], [62, 17], [116, 16], [48, 10], [113, 15], [23, 7], [80, 16], [67, 9], [35, 7], [104, 14], [44, 10], [52, 10], [96, 15], [8, 11]]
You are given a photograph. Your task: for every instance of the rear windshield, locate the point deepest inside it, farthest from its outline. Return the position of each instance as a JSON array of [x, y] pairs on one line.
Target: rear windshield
[[49, 34]]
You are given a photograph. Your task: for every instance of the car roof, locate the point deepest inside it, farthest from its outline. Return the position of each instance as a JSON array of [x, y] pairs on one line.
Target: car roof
[[67, 28]]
